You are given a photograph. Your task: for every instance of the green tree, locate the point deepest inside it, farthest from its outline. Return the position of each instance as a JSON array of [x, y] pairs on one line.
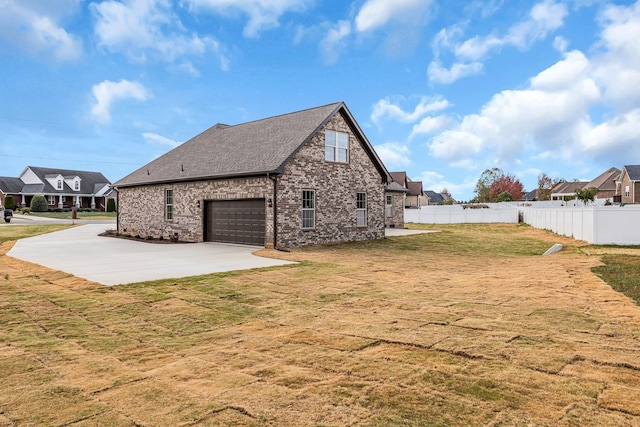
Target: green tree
[[111, 205], [586, 195], [545, 185], [505, 196], [9, 203], [483, 186], [38, 203]]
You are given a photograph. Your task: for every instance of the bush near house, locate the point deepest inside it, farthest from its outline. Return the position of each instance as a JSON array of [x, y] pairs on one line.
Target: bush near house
[[9, 203], [111, 205], [38, 204]]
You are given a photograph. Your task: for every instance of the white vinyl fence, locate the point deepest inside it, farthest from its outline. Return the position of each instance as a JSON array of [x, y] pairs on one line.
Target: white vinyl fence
[[599, 225], [455, 214]]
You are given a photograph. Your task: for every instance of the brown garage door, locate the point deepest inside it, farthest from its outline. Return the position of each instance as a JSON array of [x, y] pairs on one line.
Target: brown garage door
[[236, 221]]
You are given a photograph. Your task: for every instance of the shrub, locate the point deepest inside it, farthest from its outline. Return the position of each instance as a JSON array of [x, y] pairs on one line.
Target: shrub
[[9, 203], [505, 196], [111, 205], [38, 203]]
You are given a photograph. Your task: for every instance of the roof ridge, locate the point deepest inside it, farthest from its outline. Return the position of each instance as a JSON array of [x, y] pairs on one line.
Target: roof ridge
[[225, 126]]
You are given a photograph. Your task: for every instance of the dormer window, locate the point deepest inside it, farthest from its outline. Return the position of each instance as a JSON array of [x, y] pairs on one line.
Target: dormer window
[[59, 184], [76, 185]]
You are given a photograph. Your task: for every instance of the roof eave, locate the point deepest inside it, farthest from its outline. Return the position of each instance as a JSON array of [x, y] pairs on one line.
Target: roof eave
[[278, 171]]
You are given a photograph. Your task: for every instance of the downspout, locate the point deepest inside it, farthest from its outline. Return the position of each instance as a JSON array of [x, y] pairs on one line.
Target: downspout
[[274, 178]]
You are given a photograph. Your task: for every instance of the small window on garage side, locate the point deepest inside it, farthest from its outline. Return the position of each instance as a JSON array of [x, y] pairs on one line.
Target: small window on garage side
[[389, 207], [168, 204], [308, 209], [361, 210]]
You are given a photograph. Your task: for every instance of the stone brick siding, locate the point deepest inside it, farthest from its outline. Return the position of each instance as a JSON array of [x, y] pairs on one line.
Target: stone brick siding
[[633, 188], [336, 186], [397, 214], [142, 209]]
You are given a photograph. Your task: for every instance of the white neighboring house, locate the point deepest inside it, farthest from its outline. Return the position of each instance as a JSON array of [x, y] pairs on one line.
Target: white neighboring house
[[61, 188]]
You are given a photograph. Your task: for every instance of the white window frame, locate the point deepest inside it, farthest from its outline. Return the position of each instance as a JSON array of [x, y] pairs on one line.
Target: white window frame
[[59, 184], [361, 209], [336, 146], [389, 206], [76, 185], [308, 209], [168, 204], [52, 200], [626, 191]]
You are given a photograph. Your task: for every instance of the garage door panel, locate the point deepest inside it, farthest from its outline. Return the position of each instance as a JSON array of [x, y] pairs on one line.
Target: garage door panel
[[236, 221]]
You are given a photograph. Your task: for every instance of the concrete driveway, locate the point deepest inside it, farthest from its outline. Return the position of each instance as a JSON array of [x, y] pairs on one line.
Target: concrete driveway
[[112, 261]]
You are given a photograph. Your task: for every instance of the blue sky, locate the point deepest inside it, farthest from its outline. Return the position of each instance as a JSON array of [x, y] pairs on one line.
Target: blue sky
[[443, 90]]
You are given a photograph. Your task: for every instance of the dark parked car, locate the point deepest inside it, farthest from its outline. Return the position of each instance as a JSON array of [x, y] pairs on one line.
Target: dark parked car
[[8, 214]]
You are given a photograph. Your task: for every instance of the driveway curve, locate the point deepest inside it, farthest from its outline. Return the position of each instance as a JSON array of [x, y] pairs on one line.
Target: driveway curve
[[111, 261]]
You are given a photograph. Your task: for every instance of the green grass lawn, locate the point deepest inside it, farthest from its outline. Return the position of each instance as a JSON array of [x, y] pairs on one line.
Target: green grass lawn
[[80, 215], [622, 273], [16, 232]]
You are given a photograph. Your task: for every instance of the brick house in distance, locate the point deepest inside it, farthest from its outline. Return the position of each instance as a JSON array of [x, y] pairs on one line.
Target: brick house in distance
[[630, 184], [61, 188], [292, 180]]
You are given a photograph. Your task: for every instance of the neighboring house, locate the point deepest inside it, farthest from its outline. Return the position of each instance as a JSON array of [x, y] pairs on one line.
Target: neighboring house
[[9, 186], [606, 183], [630, 184], [296, 179], [61, 188], [394, 205], [414, 197], [566, 190], [530, 196], [434, 198]]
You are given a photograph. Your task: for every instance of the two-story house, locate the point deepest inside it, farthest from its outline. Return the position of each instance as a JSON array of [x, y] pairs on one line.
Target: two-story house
[[61, 188], [286, 181]]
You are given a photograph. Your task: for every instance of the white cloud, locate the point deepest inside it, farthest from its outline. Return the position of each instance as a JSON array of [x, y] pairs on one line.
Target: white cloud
[[107, 92], [384, 108], [435, 181], [376, 13], [544, 18], [551, 113], [334, 41], [263, 14], [393, 155], [148, 29], [617, 69], [430, 125], [159, 139], [439, 74], [36, 28]]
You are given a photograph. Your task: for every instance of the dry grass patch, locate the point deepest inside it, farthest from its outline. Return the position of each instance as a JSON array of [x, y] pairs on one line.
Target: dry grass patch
[[469, 326]]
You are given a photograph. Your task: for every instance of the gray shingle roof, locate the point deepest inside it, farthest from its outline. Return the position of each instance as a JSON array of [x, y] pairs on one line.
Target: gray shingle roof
[[606, 180], [633, 171], [9, 185], [394, 186], [247, 149], [399, 177], [434, 197], [88, 181]]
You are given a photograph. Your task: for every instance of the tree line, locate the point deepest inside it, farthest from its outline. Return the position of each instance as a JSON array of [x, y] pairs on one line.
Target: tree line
[[494, 186]]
